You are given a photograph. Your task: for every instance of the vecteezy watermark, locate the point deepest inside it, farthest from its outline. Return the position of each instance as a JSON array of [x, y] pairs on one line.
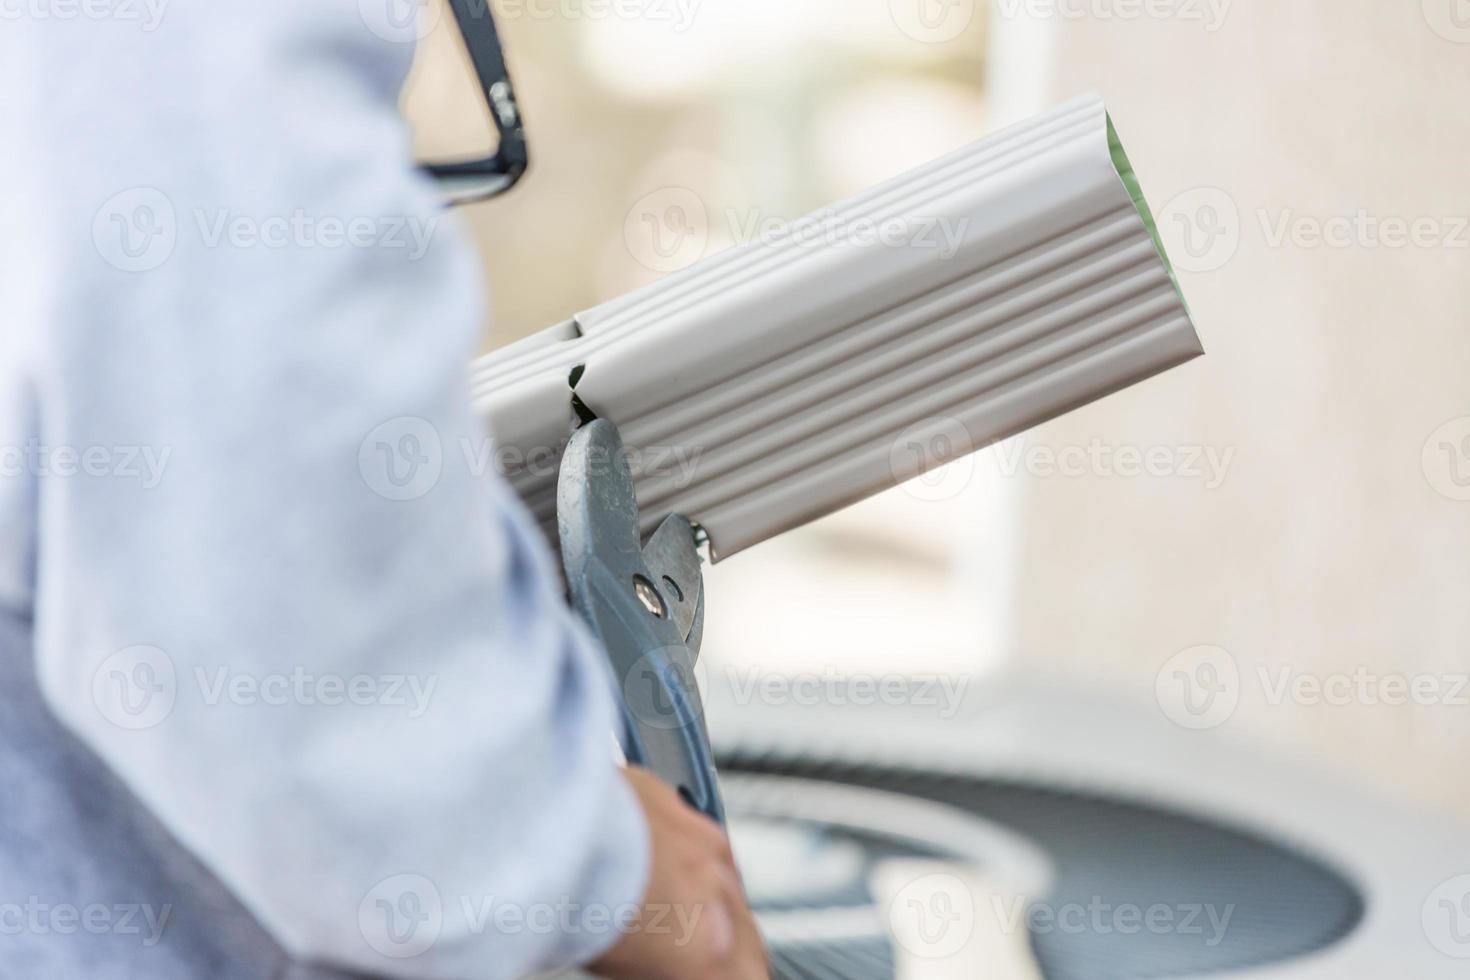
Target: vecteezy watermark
[[410, 21], [942, 692], [300, 229], [674, 465], [651, 683], [933, 916], [37, 917], [145, 464], [668, 229], [1450, 19], [1206, 465], [1199, 688], [403, 916], [934, 460], [671, 229], [1362, 687], [400, 21], [1209, 14], [138, 230], [933, 21], [1446, 459], [300, 686], [662, 688], [1100, 917], [678, 14], [1446, 917], [135, 688], [831, 229], [1203, 230], [566, 917], [401, 459], [147, 14], [404, 459], [1362, 229], [138, 688]]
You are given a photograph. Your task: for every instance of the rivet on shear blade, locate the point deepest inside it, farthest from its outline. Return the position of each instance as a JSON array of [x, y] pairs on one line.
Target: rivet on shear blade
[[648, 595]]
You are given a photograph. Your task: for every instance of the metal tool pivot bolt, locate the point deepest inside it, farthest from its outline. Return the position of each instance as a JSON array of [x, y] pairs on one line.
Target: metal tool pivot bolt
[[649, 596]]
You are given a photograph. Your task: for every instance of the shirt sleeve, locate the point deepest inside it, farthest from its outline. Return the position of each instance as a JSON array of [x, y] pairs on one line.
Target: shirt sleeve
[[279, 589]]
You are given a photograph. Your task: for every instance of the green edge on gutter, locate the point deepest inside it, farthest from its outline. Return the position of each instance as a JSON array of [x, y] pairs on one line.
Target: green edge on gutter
[[1124, 167]]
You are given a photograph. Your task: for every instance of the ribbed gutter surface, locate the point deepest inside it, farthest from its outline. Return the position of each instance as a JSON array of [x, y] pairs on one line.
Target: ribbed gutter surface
[[800, 376]]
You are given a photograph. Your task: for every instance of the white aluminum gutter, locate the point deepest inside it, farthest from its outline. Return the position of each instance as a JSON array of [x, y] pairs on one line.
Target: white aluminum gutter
[[801, 376]]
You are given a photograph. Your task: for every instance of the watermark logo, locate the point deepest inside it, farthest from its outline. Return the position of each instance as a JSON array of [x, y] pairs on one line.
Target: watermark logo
[[932, 21], [1362, 687], [300, 229], [674, 465], [136, 230], [1362, 229], [41, 918], [402, 916], [943, 693], [662, 688], [303, 687], [933, 460], [402, 459], [400, 21], [405, 915], [832, 229], [1202, 228], [1209, 14], [405, 458], [147, 14], [145, 464], [648, 684], [1199, 688], [140, 686], [136, 687], [1207, 465], [1446, 918], [1100, 917], [668, 229], [565, 917], [1446, 459], [933, 917], [1450, 19], [671, 229], [680, 14]]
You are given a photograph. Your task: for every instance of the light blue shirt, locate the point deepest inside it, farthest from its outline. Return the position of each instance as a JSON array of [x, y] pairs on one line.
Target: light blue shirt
[[239, 531]]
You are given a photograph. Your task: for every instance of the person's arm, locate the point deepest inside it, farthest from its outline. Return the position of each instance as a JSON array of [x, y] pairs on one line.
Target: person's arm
[[277, 592]]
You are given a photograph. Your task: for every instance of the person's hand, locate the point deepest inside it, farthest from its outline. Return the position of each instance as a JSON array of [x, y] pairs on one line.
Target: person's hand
[[695, 922]]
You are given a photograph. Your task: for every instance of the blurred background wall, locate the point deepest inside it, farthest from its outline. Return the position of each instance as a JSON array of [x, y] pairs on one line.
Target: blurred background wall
[[1270, 542], [1285, 153]]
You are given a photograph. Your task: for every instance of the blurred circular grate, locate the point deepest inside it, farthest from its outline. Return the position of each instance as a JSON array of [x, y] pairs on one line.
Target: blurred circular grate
[[849, 959], [809, 852], [1222, 898]]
